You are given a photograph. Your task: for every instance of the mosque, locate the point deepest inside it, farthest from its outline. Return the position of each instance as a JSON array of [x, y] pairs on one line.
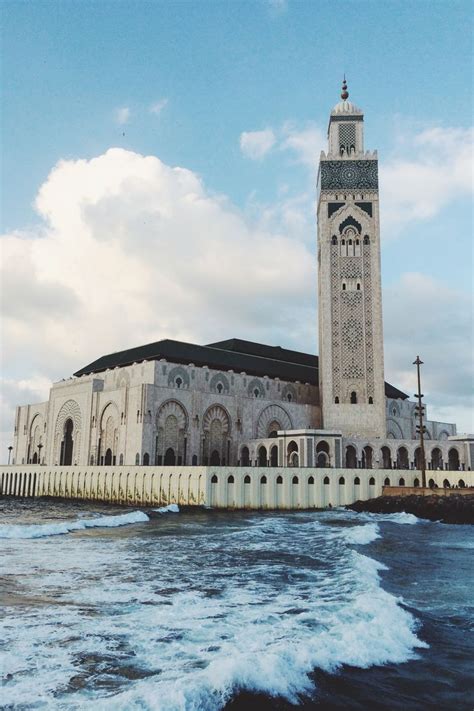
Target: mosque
[[235, 403]]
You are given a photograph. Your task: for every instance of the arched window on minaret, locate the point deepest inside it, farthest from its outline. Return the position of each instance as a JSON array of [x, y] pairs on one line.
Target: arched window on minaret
[[353, 398]]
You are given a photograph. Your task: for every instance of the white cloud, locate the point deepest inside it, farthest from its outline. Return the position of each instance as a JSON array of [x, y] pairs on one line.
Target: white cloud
[[256, 144], [130, 251], [122, 115], [158, 106], [306, 142], [424, 317], [428, 170]]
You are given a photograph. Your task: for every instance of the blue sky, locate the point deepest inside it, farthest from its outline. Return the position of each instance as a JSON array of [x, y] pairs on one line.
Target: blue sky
[[184, 81]]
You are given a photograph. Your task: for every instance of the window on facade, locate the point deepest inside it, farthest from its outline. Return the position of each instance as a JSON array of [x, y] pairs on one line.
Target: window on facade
[[311, 480], [263, 480], [326, 480], [366, 240], [289, 397], [279, 480], [358, 286], [371, 481], [353, 398], [295, 480], [219, 388], [336, 400], [357, 481], [178, 382], [230, 479], [334, 240], [137, 459], [343, 287], [371, 400], [256, 392], [214, 479], [247, 479]]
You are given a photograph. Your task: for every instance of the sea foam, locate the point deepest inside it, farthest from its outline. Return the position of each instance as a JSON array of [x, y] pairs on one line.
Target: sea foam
[[361, 535], [62, 527]]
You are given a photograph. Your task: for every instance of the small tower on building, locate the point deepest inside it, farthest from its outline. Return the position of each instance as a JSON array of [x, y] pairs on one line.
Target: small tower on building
[[351, 373]]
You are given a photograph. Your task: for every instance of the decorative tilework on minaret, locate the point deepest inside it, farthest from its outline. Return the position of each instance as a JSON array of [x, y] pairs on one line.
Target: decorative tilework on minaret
[[350, 304]]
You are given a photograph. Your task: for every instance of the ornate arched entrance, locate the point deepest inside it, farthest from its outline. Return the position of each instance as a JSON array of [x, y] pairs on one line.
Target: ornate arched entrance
[[67, 444]]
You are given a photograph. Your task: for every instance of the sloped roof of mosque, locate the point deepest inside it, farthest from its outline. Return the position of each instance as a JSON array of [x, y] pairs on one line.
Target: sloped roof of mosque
[[233, 354]]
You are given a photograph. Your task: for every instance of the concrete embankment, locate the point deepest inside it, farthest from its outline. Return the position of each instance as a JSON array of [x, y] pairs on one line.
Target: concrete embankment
[[455, 508]]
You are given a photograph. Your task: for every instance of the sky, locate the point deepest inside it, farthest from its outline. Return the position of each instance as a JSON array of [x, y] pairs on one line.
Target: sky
[[158, 173]]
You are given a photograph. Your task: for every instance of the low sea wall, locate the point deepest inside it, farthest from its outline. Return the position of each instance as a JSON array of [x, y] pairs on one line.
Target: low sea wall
[[418, 491], [218, 487]]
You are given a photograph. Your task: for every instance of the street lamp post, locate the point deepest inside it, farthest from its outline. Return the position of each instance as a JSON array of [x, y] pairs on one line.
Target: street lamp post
[[9, 453], [420, 427], [40, 447]]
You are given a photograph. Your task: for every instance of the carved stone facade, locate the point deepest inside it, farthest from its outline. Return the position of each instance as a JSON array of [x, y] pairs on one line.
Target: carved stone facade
[[350, 303]]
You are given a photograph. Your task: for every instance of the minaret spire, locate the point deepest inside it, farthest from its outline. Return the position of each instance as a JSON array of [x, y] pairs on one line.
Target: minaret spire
[[344, 92]]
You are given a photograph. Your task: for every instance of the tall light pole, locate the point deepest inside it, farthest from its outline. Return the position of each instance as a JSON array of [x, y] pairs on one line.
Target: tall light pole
[[9, 453], [420, 427]]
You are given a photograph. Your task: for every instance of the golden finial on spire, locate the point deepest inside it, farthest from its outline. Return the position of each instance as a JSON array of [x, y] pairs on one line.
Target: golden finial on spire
[[344, 92]]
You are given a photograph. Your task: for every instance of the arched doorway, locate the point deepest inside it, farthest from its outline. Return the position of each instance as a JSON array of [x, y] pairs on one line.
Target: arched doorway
[[322, 454], [245, 457], [170, 457], [215, 458], [351, 457], [367, 456], [402, 458], [436, 459], [418, 458], [453, 459], [274, 456], [262, 456], [386, 458], [273, 428], [292, 454], [108, 458], [67, 444]]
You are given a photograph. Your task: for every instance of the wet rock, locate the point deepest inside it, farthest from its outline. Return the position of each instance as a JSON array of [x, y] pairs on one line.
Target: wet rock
[[448, 509]]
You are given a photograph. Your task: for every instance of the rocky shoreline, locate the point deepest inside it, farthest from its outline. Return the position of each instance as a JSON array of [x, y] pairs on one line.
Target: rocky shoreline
[[447, 509]]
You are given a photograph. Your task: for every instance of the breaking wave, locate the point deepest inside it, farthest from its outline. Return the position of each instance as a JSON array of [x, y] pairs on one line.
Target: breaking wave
[[194, 613], [62, 527], [361, 535]]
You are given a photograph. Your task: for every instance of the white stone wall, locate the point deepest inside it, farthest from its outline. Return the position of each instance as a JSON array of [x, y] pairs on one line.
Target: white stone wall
[[222, 487]]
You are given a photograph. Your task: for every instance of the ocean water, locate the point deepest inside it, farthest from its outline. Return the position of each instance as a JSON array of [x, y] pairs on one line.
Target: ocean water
[[111, 608]]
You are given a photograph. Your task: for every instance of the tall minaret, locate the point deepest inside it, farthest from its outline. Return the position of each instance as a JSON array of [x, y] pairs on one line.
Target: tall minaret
[[351, 376]]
